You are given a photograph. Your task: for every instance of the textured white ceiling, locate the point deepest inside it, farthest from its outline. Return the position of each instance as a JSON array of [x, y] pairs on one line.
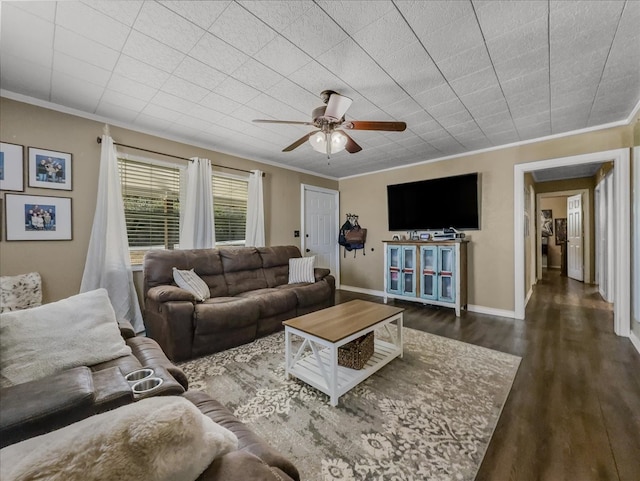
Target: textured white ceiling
[[464, 75]]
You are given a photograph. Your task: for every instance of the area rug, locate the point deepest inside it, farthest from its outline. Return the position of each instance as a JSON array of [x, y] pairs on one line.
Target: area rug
[[427, 416]]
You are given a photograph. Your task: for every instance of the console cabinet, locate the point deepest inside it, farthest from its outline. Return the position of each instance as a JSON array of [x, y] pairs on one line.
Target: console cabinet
[[430, 272]]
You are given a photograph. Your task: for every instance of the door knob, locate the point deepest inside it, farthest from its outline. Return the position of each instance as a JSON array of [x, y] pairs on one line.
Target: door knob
[[307, 250]]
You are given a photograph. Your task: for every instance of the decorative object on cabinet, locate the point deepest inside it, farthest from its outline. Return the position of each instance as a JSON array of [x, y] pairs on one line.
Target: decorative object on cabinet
[[11, 167], [34, 217], [431, 272], [49, 169]]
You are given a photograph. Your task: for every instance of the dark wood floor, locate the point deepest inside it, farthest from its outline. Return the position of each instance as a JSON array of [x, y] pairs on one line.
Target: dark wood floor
[[574, 410]]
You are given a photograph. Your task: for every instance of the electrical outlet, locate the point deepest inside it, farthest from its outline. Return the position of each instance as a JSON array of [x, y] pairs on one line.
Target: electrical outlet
[[296, 233]]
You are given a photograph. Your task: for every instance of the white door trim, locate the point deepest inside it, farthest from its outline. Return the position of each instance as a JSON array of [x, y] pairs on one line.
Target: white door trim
[[533, 236], [336, 194], [622, 173]]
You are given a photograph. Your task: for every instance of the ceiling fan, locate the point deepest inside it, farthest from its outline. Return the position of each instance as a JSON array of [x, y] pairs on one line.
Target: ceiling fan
[[330, 137]]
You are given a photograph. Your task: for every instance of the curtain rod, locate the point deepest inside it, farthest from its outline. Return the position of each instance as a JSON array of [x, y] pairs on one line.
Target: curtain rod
[[175, 156]]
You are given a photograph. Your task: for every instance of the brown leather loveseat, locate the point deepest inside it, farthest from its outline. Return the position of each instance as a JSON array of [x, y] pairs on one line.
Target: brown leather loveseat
[[250, 297]]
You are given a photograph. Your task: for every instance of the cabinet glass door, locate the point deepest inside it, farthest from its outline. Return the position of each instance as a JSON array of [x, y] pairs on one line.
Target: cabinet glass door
[[446, 289], [394, 253], [428, 267], [408, 270]]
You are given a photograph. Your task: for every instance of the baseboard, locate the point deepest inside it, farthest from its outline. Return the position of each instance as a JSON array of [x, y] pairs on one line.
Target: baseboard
[[529, 294], [361, 290], [470, 307], [491, 311], [635, 341]]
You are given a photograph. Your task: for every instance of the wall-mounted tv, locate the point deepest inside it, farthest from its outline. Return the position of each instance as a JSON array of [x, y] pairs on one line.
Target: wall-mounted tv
[[434, 204]]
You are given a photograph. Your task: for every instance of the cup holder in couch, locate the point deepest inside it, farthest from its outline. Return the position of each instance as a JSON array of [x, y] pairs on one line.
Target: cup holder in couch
[[146, 386], [135, 376]]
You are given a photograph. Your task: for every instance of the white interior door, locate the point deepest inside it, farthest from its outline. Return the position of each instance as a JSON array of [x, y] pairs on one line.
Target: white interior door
[[575, 261], [320, 227]]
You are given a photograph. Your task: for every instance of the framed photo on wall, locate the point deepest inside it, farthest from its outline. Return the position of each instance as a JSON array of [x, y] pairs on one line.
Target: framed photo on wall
[[49, 169], [561, 231], [11, 167], [546, 222], [36, 217]]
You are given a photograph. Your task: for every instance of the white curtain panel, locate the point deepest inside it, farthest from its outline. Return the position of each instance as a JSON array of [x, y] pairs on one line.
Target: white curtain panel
[[197, 231], [108, 263], [255, 211]]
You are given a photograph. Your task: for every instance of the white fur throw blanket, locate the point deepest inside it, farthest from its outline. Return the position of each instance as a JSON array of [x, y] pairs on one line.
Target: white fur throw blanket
[[78, 331], [156, 439]]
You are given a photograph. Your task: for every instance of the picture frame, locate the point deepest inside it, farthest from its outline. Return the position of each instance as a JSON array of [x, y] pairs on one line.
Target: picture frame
[[49, 169], [561, 231], [11, 167], [37, 217], [546, 222]]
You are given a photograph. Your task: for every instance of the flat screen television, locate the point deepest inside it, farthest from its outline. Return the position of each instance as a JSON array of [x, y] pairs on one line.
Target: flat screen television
[[434, 204]]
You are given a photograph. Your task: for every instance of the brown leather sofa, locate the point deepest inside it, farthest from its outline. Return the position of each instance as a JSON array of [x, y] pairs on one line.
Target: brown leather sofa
[[250, 297], [34, 408]]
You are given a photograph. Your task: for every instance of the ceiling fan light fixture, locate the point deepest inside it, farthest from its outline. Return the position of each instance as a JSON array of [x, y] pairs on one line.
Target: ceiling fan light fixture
[[318, 142], [337, 142]]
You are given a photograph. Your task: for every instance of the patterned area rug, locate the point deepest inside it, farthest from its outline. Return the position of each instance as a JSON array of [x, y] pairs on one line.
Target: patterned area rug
[[429, 415]]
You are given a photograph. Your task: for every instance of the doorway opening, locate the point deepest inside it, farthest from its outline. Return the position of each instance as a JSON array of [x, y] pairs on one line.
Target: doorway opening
[[556, 244], [622, 248]]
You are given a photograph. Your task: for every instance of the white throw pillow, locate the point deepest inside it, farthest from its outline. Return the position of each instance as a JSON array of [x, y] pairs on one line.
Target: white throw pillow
[[23, 291], [78, 331], [192, 282], [301, 269], [164, 438]]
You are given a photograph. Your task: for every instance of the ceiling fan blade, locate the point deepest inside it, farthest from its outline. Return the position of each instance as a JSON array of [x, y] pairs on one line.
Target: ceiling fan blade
[[337, 106], [264, 121], [352, 147], [373, 125], [299, 142]]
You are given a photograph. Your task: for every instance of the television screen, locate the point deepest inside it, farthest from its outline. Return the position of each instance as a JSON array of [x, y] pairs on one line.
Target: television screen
[[434, 204]]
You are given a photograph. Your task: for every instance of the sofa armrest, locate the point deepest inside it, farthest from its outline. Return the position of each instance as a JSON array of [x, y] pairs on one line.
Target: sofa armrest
[[171, 325], [241, 466], [151, 355], [126, 329], [249, 443], [169, 293], [37, 407], [320, 273]]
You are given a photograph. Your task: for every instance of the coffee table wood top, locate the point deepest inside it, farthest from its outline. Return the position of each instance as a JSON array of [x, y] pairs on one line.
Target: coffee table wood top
[[337, 322]]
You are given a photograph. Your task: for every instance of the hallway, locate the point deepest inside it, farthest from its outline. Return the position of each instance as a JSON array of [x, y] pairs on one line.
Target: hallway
[[574, 410]]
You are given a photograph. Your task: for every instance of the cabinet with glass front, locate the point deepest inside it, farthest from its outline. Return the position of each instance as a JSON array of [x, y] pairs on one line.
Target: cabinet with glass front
[[432, 272]]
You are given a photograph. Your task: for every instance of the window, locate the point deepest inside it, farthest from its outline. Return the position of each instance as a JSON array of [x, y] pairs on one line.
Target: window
[[230, 195], [151, 195]]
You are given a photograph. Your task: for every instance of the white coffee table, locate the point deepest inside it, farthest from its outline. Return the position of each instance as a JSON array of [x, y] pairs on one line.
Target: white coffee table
[[323, 332]]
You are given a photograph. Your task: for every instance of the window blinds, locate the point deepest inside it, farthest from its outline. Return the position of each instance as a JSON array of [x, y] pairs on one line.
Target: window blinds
[[151, 196], [230, 208]]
